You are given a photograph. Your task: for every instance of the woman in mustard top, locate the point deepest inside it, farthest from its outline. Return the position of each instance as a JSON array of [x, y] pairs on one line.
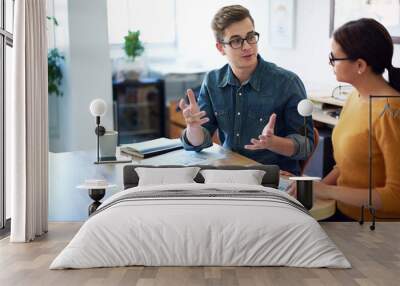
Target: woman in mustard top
[[361, 51]]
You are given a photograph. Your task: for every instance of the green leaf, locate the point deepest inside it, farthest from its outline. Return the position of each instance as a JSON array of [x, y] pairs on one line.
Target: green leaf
[[54, 63], [133, 46], [52, 19]]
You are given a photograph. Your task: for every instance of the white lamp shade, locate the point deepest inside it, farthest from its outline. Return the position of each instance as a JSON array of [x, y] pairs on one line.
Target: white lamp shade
[[98, 107], [305, 107]]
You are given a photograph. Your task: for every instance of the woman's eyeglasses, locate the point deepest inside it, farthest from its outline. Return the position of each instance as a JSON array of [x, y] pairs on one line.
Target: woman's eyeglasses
[[332, 59], [237, 42]]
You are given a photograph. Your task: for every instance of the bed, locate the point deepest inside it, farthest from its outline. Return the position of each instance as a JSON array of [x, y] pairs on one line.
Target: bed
[[201, 224]]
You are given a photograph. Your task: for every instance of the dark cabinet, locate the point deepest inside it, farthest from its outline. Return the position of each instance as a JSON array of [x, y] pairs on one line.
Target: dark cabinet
[[139, 110]]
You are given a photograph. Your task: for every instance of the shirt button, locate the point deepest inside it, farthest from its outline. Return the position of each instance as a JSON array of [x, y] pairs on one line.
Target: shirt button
[[237, 134], [216, 113], [240, 93], [261, 119], [238, 113]]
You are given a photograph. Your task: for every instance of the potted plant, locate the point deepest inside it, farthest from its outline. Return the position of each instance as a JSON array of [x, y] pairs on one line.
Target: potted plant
[[54, 78], [133, 46], [135, 65], [54, 62]]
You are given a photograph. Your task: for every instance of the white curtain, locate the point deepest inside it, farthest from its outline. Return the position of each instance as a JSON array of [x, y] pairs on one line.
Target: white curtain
[[27, 123]]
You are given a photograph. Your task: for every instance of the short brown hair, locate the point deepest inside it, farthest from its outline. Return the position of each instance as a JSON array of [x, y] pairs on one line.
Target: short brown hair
[[226, 16]]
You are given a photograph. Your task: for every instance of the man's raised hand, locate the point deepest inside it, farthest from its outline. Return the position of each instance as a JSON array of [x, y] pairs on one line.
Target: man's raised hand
[[264, 139], [191, 112]]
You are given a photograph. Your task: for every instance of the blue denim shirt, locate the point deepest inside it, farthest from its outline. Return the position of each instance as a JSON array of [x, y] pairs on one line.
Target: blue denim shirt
[[240, 112]]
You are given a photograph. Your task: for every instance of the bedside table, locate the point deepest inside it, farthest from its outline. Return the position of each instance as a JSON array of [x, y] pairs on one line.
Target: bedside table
[[96, 190]]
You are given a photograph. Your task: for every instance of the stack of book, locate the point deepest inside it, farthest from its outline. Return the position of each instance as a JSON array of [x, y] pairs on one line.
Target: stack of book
[[152, 147]]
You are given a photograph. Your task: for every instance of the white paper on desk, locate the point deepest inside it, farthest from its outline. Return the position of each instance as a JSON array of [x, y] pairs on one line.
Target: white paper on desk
[[189, 158], [283, 184]]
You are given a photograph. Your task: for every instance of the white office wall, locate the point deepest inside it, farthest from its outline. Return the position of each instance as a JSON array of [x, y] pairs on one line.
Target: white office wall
[[308, 58], [148, 16], [82, 37]]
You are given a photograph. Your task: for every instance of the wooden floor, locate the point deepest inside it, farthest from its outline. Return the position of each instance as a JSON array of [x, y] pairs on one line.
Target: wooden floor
[[375, 257]]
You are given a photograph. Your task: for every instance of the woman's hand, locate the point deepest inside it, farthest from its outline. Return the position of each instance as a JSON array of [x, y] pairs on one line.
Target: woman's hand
[[292, 189], [285, 173], [321, 190]]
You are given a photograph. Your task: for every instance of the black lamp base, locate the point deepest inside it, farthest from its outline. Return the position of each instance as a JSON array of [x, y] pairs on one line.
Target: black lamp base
[[96, 195], [372, 211]]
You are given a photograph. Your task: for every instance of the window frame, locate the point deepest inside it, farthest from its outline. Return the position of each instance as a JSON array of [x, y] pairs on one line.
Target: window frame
[[6, 39]]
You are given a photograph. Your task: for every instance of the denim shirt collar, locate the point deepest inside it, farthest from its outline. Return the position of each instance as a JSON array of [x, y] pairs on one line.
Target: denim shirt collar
[[230, 78]]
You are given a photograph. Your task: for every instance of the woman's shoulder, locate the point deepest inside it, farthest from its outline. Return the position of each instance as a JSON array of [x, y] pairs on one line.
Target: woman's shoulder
[[394, 100], [387, 105], [351, 102], [387, 116]]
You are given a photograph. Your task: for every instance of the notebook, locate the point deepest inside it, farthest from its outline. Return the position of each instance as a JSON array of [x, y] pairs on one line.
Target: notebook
[[150, 148], [283, 184]]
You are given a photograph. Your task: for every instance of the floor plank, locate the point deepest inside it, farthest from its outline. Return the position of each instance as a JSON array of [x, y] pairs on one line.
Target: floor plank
[[374, 255]]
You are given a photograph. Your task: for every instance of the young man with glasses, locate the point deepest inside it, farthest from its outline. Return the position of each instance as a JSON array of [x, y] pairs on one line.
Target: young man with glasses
[[252, 103]]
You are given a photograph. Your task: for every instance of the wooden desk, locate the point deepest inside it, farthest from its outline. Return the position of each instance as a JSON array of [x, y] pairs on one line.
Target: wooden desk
[[323, 209], [324, 98], [326, 101], [70, 169]]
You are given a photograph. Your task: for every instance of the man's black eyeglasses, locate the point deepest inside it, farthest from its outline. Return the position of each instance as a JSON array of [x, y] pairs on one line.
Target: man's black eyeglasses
[[237, 42], [332, 59]]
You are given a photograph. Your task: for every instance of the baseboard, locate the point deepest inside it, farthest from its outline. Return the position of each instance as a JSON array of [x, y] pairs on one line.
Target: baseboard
[[5, 231]]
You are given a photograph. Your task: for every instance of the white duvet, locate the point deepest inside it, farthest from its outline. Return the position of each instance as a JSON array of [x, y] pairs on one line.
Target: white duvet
[[200, 231]]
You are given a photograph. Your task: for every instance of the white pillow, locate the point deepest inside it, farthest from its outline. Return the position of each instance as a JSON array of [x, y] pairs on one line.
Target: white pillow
[[248, 177], [164, 176]]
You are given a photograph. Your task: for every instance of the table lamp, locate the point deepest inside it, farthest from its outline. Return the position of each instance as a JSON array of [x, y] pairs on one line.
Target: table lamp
[[98, 108], [305, 184], [305, 108]]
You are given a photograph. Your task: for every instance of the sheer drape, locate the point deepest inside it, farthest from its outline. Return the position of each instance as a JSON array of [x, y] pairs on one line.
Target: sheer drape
[[27, 119]]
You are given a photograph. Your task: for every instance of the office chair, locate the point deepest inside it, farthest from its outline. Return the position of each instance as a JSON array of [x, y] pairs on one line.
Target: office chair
[[303, 163]]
